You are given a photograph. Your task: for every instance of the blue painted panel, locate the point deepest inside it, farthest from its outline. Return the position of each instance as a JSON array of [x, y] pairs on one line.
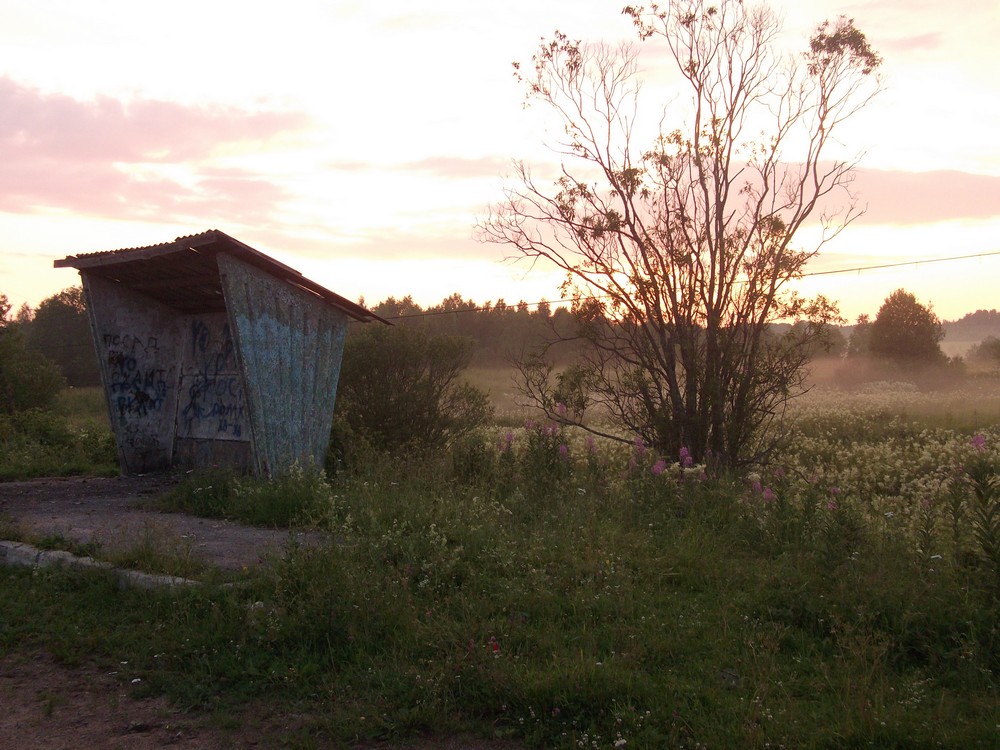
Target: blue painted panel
[[290, 344]]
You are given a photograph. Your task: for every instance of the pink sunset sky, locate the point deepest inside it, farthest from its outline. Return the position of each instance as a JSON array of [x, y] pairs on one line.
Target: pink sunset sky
[[360, 142]]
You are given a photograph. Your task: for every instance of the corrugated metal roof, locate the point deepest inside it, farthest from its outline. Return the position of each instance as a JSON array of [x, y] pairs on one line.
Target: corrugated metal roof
[[184, 274]]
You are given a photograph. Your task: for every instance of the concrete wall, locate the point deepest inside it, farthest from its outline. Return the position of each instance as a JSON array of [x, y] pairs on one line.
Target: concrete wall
[[291, 345], [213, 423], [253, 387], [138, 349]]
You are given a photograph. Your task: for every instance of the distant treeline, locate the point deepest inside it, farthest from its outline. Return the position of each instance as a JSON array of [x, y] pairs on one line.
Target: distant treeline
[[975, 326], [58, 328], [500, 331]]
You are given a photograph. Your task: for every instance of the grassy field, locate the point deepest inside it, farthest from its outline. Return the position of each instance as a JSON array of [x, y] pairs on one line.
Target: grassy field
[[532, 584], [72, 439]]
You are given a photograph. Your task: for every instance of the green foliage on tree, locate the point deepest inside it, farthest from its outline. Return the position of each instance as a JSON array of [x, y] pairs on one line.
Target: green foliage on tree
[[906, 332], [859, 345], [822, 341], [401, 388], [60, 329], [27, 379], [986, 352]]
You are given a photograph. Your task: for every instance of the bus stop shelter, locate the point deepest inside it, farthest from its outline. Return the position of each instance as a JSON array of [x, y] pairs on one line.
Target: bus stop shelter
[[214, 354]]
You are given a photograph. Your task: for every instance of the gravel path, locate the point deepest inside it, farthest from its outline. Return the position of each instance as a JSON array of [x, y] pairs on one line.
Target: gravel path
[[116, 513]]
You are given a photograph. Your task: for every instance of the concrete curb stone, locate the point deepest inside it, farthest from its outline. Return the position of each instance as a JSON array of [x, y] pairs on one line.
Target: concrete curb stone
[[19, 554]]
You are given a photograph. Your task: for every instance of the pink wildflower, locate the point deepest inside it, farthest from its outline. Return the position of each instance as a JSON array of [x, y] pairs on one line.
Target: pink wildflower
[[756, 486], [686, 460], [563, 451], [561, 410], [658, 467], [640, 447], [768, 495], [834, 491], [979, 442], [591, 445], [831, 505]]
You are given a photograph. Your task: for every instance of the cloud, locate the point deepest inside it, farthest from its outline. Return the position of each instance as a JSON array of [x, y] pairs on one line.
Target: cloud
[[899, 197], [913, 43], [124, 158], [449, 167], [456, 167]]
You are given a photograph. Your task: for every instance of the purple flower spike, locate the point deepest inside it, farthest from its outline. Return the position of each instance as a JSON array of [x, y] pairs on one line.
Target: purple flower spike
[[640, 447]]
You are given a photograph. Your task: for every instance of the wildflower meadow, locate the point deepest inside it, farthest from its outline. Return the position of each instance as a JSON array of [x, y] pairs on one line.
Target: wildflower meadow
[[541, 586]]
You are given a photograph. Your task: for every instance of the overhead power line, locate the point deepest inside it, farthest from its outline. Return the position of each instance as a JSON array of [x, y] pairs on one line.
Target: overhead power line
[[489, 307], [857, 269], [900, 264]]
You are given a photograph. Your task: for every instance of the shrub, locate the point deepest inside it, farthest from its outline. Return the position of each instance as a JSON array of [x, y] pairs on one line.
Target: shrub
[[400, 388], [36, 443], [27, 379], [986, 353]]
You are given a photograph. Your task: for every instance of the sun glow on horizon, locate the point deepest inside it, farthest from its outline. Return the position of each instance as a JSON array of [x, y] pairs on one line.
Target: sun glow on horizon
[[361, 143]]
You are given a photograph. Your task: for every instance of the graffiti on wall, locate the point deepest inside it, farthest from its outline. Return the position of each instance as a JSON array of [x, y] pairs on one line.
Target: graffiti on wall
[[139, 388], [137, 385], [211, 404]]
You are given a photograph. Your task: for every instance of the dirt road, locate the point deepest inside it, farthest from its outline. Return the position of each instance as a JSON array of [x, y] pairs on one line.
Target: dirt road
[[116, 512]]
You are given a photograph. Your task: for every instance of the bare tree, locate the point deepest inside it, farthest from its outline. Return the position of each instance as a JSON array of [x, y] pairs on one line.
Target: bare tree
[[680, 256]]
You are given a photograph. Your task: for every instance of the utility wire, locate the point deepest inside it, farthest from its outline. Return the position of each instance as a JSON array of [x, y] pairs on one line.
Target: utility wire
[[900, 264], [490, 307], [858, 269]]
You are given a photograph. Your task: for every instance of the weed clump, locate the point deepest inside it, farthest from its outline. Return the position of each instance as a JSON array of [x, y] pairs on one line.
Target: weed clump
[[287, 500]]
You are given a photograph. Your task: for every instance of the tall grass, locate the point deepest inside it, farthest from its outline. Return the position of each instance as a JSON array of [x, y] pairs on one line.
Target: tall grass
[[84, 408], [285, 501], [42, 443], [529, 584]]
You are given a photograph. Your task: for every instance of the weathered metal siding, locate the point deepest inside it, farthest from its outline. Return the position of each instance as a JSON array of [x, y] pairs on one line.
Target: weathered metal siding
[[213, 424], [290, 344], [138, 350]]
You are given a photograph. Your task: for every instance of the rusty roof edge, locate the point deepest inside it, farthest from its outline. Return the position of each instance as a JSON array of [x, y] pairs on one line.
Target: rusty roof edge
[[216, 237], [295, 277], [352, 309]]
